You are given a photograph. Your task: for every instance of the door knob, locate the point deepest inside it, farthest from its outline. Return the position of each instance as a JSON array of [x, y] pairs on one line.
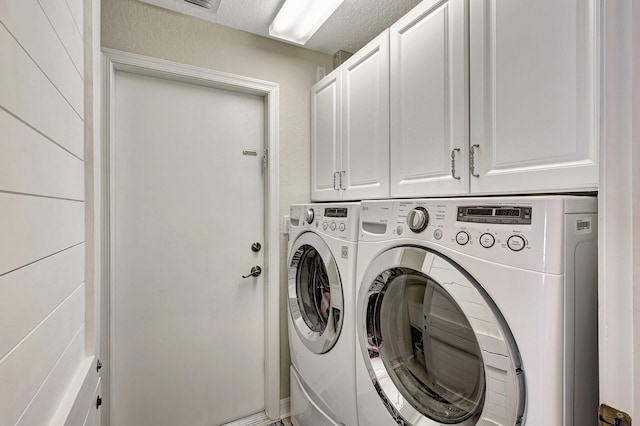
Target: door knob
[[255, 272]]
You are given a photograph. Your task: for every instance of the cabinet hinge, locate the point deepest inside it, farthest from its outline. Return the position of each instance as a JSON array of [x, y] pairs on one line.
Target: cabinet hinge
[[98, 402], [98, 366], [611, 417], [265, 159]]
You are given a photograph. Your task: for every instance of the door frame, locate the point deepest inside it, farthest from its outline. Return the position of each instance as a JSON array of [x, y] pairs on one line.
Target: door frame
[[114, 60]]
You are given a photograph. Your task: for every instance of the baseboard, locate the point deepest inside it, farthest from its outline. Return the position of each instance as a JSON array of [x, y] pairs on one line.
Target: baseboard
[[261, 419]]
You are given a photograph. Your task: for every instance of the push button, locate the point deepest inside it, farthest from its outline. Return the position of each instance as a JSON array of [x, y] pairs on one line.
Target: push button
[[462, 238], [487, 240], [437, 234], [325, 225], [333, 226], [516, 242], [342, 227]]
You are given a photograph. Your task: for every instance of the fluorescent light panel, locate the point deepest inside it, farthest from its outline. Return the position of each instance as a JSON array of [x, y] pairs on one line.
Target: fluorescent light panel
[[298, 20]]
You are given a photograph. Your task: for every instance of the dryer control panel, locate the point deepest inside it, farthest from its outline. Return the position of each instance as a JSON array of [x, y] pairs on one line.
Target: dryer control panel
[[336, 220], [519, 231]]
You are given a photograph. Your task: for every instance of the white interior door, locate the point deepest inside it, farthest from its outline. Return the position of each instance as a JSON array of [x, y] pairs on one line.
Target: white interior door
[[187, 332]]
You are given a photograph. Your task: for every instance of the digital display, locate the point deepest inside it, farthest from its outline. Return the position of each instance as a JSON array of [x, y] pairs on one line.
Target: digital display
[[480, 212], [495, 214], [335, 212], [508, 212]]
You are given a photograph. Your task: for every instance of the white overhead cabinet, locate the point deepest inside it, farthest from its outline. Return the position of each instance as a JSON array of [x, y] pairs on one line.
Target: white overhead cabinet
[[350, 127], [326, 137], [493, 97], [535, 87], [429, 100]]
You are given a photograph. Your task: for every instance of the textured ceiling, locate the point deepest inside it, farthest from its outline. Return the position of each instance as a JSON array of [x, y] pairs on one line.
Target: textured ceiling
[[353, 25]]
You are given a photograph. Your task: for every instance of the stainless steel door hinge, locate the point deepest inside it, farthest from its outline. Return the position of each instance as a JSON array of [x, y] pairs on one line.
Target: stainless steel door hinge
[[611, 417], [265, 159]]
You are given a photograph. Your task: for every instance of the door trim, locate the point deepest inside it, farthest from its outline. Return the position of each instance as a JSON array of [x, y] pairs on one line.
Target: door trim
[[114, 60]]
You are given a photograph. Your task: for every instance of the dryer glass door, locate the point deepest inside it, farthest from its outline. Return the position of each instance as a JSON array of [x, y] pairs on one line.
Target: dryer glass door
[[315, 293], [437, 349]]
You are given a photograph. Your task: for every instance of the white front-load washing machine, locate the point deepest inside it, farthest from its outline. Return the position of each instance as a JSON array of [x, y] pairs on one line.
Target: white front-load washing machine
[[477, 311], [321, 304]]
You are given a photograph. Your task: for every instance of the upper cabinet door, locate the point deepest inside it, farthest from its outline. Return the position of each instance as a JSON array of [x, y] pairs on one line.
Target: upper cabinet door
[[326, 116], [365, 127], [429, 100], [535, 88]]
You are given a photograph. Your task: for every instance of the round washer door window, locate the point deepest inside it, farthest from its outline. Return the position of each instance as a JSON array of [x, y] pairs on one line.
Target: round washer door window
[[437, 348], [315, 293]]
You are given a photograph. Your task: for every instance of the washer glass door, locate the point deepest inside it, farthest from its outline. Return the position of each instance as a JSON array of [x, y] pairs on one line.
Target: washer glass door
[[315, 293], [437, 348]]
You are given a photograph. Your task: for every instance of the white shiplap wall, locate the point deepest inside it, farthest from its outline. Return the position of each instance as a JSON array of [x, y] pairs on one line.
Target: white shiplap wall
[[43, 359]]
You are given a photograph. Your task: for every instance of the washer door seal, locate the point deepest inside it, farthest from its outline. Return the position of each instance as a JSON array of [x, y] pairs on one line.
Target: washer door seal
[[315, 293], [436, 346]]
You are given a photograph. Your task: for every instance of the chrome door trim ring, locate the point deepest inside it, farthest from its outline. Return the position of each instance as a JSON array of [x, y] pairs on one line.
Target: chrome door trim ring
[[317, 342], [496, 342]]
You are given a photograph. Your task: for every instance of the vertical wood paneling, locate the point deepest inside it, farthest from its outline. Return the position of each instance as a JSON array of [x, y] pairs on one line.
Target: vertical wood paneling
[[28, 24], [45, 403], [62, 20], [52, 171], [27, 92], [24, 370], [28, 295], [35, 227]]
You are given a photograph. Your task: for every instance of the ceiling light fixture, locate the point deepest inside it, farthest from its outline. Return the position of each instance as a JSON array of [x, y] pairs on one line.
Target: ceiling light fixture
[[208, 4], [298, 20]]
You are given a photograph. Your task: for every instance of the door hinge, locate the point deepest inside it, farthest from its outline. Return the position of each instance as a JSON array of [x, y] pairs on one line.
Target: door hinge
[[265, 159], [98, 366], [98, 402], [611, 417]]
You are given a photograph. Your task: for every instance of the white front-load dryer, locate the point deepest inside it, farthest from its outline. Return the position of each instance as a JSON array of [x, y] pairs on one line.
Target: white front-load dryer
[[321, 305], [477, 311]]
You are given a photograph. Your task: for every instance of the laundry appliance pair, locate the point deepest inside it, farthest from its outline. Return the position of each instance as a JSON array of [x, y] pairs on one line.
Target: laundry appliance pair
[[466, 311]]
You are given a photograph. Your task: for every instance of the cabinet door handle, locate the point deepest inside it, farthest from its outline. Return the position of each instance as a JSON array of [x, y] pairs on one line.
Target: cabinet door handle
[[472, 161], [342, 173], [453, 163], [334, 181]]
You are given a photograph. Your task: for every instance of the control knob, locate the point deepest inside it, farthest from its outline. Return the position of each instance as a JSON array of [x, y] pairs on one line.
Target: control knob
[[309, 215], [418, 219]]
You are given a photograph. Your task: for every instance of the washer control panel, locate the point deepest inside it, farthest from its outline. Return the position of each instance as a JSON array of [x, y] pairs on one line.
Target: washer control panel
[[498, 229], [339, 221], [494, 227], [521, 231]]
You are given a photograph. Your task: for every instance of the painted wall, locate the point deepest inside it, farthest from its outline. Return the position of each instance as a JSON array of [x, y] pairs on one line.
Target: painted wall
[[137, 27], [45, 358]]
